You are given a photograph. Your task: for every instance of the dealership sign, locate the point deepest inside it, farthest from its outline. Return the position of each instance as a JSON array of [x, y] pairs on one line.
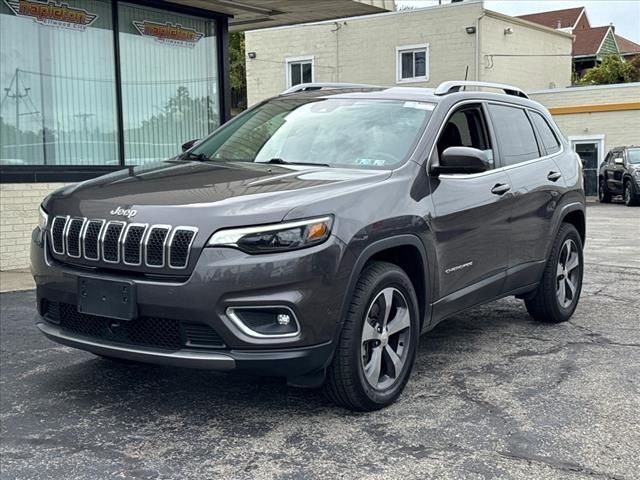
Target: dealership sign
[[52, 13], [169, 33]]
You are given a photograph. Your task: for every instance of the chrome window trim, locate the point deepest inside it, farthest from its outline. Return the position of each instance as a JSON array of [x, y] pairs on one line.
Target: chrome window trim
[[230, 312], [64, 229], [164, 245], [495, 170], [66, 239], [103, 234], [170, 243], [123, 242], [84, 238]]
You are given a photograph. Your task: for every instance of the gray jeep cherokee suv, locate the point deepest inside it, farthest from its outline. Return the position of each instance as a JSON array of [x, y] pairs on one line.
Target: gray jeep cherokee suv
[[316, 236]]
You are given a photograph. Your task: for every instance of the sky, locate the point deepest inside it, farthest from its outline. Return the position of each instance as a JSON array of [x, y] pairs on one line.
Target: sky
[[624, 14]]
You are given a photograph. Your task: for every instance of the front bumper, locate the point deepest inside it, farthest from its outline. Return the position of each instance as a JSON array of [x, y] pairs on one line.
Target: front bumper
[[290, 363], [311, 282]]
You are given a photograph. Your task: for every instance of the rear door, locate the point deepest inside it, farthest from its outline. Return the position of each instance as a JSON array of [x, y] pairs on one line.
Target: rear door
[[470, 221], [528, 148]]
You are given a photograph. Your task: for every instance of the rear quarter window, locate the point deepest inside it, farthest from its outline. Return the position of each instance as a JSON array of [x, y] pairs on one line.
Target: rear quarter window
[[514, 134], [547, 136]]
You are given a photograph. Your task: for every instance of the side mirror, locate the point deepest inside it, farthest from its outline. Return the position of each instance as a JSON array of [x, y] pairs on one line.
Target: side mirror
[[187, 145], [618, 161], [462, 160]]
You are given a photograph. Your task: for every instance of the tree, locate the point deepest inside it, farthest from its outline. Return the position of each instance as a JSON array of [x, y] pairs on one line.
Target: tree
[[237, 71], [613, 69]]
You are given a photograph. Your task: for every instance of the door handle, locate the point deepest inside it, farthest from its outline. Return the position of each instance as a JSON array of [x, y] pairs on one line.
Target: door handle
[[554, 176], [500, 188]]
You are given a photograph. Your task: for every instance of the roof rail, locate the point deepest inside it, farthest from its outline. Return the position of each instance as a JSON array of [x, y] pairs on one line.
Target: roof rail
[[305, 87], [456, 85]]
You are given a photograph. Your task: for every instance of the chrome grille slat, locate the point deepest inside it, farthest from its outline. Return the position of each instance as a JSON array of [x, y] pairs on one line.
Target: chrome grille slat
[[119, 242], [72, 238], [155, 245]]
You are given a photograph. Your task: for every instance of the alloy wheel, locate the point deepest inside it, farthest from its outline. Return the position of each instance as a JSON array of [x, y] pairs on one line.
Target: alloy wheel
[[627, 194], [567, 274], [386, 334]]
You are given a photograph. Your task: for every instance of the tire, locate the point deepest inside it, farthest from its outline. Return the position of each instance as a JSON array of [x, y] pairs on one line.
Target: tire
[[630, 198], [361, 347], [545, 305], [604, 196]]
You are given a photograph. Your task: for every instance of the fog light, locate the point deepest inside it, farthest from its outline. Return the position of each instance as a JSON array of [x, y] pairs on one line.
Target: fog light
[[265, 322]]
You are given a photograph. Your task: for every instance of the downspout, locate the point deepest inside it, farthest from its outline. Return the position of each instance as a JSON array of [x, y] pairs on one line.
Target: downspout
[[337, 31], [478, 45]]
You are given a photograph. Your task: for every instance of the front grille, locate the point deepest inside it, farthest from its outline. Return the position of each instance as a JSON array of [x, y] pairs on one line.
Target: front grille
[[155, 332], [116, 242]]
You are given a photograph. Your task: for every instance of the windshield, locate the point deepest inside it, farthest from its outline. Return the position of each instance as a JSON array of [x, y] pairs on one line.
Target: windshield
[[633, 155], [335, 132]]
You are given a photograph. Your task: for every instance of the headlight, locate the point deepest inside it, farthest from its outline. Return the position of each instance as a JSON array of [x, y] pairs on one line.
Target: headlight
[[43, 219], [275, 238], [636, 173]]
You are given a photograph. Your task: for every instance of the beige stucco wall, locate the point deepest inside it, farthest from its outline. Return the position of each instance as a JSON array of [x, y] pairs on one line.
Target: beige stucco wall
[[618, 127], [363, 50], [523, 67], [19, 203]]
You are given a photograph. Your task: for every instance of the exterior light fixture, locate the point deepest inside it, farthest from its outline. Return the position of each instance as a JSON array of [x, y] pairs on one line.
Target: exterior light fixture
[[470, 30], [508, 31], [251, 55]]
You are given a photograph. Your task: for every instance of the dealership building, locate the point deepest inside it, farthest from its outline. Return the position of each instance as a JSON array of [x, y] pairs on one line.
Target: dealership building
[[91, 86]]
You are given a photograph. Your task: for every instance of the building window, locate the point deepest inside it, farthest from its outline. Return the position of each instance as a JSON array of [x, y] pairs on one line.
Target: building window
[[57, 84], [169, 81], [299, 70], [412, 63]]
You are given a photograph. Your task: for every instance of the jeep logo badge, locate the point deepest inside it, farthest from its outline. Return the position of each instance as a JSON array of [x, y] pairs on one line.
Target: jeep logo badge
[[123, 212]]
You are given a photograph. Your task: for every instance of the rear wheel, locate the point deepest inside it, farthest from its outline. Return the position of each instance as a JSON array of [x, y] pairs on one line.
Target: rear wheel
[[378, 342], [630, 198], [556, 298], [603, 194]]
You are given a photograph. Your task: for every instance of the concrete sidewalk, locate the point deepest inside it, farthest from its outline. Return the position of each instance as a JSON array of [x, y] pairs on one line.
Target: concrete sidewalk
[[16, 280]]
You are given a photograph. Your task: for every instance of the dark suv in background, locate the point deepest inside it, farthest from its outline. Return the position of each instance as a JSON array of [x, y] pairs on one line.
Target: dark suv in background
[[316, 235], [619, 174]]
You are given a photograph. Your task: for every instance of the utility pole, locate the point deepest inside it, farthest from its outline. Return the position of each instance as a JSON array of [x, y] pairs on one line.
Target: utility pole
[[17, 96]]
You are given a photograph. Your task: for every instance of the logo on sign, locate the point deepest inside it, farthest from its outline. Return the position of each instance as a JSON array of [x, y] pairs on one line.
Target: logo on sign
[[53, 14], [169, 33]]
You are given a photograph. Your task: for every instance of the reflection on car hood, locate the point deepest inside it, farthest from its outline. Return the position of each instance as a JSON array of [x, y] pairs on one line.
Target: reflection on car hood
[[226, 188]]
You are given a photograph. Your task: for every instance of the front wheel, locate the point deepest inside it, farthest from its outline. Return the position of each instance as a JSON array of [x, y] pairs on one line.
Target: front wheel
[[378, 342], [603, 194], [557, 295], [630, 198]]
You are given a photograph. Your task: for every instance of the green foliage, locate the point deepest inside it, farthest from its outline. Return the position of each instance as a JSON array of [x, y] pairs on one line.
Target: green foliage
[[237, 70], [612, 70]]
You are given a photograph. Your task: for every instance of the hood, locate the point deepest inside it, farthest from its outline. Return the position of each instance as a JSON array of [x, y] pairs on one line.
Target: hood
[[211, 193]]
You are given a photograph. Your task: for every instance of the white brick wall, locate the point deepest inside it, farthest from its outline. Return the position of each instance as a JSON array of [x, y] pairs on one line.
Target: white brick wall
[[363, 50], [19, 204]]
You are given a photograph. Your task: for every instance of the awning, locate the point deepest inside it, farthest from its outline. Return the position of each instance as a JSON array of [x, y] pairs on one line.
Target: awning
[[255, 14]]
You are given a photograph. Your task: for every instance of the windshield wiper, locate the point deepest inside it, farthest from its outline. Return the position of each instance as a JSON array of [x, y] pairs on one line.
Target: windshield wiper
[[279, 161], [199, 157]]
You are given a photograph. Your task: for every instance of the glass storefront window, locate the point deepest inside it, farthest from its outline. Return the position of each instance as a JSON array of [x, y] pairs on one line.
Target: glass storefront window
[[169, 78], [57, 83]]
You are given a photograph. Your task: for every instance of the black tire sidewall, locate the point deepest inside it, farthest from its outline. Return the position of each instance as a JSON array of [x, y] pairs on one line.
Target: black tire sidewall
[[568, 232], [391, 277]]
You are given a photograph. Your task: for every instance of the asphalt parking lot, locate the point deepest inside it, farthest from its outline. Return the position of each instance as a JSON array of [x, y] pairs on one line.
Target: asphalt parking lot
[[493, 395]]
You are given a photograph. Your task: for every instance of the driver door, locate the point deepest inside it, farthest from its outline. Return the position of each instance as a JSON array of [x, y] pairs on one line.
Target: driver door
[[471, 218]]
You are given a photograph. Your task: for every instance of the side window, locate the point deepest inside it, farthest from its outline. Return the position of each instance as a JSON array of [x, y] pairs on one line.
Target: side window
[[514, 133], [548, 137], [467, 127]]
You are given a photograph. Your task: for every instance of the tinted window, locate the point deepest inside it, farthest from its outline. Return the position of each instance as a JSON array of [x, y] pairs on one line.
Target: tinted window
[[549, 139], [514, 133], [466, 128]]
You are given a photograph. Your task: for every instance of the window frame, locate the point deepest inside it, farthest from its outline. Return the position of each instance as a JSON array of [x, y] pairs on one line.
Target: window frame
[[288, 61], [78, 173], [412, 49], [531, 112]]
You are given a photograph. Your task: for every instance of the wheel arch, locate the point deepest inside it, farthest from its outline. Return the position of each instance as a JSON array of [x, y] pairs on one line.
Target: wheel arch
[[408, 252]]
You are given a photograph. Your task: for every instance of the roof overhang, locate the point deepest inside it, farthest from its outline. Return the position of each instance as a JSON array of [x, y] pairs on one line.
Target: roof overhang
[[257, 14]]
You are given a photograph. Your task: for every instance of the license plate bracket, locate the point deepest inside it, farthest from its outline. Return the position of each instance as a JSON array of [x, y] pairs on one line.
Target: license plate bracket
[[107, 298]]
